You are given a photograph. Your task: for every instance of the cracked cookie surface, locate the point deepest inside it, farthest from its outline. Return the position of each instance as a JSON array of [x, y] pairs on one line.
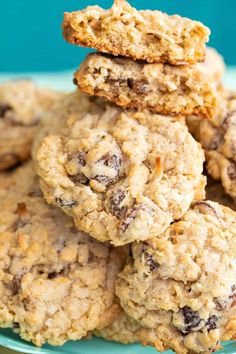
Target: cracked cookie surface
[[56, 283], [122, 175], [176, 283], [21, 106], [218, 139], [147, 35], [160, 88]]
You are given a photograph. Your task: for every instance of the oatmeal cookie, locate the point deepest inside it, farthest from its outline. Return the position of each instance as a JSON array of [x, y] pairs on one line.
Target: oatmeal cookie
[[56, 283], [122, 175], [21, 106], [218, 139], [160, 88], [147, 35], [177, 285]]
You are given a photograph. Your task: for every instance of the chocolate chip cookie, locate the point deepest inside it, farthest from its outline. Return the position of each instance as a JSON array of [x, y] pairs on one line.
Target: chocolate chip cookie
[[21, 106], [176, 284], [122, 175], [160, 88], [56, 283], [147, 35]]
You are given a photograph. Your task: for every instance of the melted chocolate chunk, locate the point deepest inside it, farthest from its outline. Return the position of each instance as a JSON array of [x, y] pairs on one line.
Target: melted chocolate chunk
[[140, 87], [151, 263], [15, 325], [115, 81], [15, 284], [191, 319], [129, 217], [66, 203], [54, 275], [149, 260], [113, 161], [79, 178], [212, 322], [116, 198]]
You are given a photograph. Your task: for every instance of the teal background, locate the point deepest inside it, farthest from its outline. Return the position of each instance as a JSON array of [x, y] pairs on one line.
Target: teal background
[[30, 30]]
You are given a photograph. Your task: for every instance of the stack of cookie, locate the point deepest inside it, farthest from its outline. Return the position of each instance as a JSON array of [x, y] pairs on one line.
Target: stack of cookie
[[122, 243]]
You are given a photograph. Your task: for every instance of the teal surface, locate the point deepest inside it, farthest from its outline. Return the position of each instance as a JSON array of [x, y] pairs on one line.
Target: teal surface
[[31, 40], [93, 346]]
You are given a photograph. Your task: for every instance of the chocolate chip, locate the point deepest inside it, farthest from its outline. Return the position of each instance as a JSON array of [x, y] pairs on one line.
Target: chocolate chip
[[212, 322], [140, 87], [115, 81], [113, 161], [80, 161], [231, 171], [81, 158], [149, 260], [4, 107], [15, 284], [151, 263], [191, 319], [15, 325], [80, 178], [129, 217], [66, 203], [117, 196]]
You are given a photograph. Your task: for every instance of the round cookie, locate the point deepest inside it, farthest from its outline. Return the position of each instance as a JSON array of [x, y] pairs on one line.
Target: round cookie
[[21, 106], [122, 175], [56, 283], [219, 142], [177, 285]]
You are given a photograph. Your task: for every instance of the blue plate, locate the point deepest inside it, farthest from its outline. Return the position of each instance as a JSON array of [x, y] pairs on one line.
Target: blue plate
[[96, 345]]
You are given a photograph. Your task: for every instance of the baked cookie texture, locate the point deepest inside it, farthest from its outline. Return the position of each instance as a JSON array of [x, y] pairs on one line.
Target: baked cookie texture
[[56, 283], [21, 106], [160, 88], [147, 35], [122, 175], [126, 330], [176, 284], [219, 142], [123, 330]]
